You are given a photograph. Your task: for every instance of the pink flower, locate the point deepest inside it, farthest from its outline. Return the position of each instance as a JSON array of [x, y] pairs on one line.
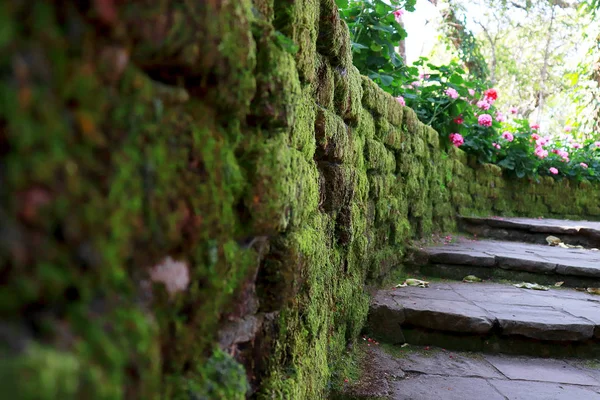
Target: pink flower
[[576, 146], [562, 154], [398, 15], [490, 95], [496, 145], [568, 128], [542, 141], [553, 170], [513, 110], [459, 120], [583, 165], [452, 93], [500, 117], [456, 139], [535, 126], [597, 144], [416, 84], [400, 100], [535, 136], [508, 136], [484, 105], [485, 120], [540, 152], [471, 92]]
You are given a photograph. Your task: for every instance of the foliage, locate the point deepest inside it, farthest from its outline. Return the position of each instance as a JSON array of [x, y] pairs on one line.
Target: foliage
[[375, 32], [466, 44], [452, 101]]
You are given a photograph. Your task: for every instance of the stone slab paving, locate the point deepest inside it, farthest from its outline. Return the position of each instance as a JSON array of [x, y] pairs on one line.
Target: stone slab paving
[[543, 225], [532, 230], [515, 256], [432, 373], [485, 308]]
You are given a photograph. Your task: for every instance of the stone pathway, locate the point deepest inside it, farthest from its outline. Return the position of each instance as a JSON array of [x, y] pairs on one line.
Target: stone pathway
[[509, 328], [424, 373], [492, 258], [532, 230], [501, 314], [517, 338]]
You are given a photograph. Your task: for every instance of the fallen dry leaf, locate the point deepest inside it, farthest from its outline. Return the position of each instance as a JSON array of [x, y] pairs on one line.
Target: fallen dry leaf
[[533, 286]]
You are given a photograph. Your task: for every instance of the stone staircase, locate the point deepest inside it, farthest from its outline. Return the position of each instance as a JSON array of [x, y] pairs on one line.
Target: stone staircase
[[494, 316], [529, 230]]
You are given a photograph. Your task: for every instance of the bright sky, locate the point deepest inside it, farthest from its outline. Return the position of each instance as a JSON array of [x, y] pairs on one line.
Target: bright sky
[[421, 26]]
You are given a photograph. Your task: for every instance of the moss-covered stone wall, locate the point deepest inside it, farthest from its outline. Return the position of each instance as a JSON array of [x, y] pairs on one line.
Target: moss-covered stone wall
[[194, 194], [485, 190]]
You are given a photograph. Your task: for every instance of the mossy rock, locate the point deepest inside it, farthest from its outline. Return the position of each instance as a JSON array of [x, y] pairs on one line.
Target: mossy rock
[[284, 186], [374, 98], [334, 36], [302, 135], [325, 84], [337, 185], [277, 83], [379, 158], [366, 125], [334, 142], [176, 42], [299, 21]]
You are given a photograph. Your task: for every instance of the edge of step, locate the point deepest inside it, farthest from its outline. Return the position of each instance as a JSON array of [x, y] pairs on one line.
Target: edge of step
[[492, 313]]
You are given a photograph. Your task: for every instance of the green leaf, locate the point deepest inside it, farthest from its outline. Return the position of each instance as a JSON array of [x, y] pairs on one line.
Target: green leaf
[[456, 79], [383, 28], [359, 46], [375, 47], [386, 80]]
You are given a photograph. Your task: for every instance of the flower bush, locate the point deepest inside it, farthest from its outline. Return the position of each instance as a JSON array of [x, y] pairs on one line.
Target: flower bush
[[375, 29], [458, 106]]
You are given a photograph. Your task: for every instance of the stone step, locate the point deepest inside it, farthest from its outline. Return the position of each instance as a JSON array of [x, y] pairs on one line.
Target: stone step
[[431, 373], [533, 230], [489, 317], [514, 261]]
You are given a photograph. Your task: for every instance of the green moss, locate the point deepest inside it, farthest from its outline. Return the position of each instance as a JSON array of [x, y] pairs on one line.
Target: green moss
[[334, 36], [355, 94], [266, 8], [186, 41], [312, 336], [223, 129], [299, 21], [374, 98], [325, 83], [395, 112], [277, 83], [366, 125], [284, 186], [382, 128], [302, 136], [379, 158], [334, 142], [50, 374], [411, 122], [220, 378], [342, 91]]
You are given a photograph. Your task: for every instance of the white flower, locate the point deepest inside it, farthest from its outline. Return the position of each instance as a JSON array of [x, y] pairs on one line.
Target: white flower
[[173, 274]]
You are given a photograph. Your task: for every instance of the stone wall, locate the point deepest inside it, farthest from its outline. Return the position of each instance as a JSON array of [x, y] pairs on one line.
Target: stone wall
[[197, 191], [485, 190]]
